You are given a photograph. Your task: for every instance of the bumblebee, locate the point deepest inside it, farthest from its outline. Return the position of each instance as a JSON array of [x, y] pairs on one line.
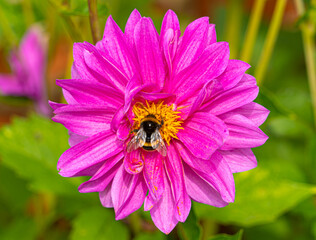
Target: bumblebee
[[148, 136]]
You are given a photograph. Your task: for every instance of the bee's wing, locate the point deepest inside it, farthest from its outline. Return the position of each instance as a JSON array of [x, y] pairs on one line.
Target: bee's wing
[[137, 141], [157, 143]]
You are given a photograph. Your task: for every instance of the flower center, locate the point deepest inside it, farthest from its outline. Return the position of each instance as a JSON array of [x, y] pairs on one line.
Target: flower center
[[167, 117]]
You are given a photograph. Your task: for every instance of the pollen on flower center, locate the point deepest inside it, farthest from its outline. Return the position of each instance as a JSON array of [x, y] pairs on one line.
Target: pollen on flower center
[[165, 114]]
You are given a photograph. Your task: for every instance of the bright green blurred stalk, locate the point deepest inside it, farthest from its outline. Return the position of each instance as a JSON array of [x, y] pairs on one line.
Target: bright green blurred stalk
[[94, 23], [233, 25], [308, 33], [69, 23], [252, 30], [7, 30], [270, 41], [28, 12]]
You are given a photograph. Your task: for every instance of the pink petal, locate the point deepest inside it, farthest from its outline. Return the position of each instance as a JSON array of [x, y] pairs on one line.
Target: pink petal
[[149, 55], [211, 64], [9, 85], [124, 130], [148, 203], [211, 35], [108, 164], [80, 65], [215, 171], [153, 173], [195, 102], [92, 66], [90, 171], [149, 96], [104, 66], [42, 107], [248, 80], [74, 72], [253, 111], [242, 132], [101, 178], [117, 119], [32, 55], [133, 162], [87, 92], [233, 74], [175, 172], [231, 99], [200, 190], [100, 183], [75, 139], [91, 151], [130, 28], [170, 21], [203, 134], [115, 45], [84, 120], [239, 160], [128, 193], [133, 87], [162, 212], [55, 106], [193, 43], [68, 97], [105, 196]]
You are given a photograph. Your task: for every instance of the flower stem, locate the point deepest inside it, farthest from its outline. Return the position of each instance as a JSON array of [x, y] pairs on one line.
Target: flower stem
[[252, 30], [308, 33], [135, 223], [94, 23], [28, 12], [7, 30], [69, 23], [233, 24], [270, 40]]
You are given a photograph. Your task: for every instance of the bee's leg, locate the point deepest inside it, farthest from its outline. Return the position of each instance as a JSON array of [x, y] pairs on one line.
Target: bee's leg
[[134, 131], [162, 122]]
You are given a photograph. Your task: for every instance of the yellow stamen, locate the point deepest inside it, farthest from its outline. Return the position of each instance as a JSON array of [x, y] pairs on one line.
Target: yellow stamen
[[163, 113]]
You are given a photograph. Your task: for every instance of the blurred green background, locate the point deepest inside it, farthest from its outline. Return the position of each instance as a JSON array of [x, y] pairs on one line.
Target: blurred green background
[[274, 201]]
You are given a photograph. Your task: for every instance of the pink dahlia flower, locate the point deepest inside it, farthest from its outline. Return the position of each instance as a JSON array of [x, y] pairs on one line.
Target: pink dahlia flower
[[159, 119], [28, 64]]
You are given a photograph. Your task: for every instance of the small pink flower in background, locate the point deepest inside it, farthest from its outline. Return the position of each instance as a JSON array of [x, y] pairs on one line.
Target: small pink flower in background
[[28, 64], [159, 119]]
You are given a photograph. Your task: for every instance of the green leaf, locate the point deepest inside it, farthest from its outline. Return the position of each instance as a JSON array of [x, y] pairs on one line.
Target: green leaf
[[260, 198], [314, 229], [306, 208], [290, 128], [98, 223], [237, 236], [31, 147], [14, 193], [150, 236], [80, 8], [21, 228], [190, 229]]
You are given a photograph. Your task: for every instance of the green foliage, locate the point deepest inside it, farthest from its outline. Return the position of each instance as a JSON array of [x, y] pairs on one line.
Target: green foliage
[[260, 198], [98, 223], [190, 229], [237, 236], [150, 236], [31, 147], [314, 229], [22, 228], [80, 8]]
